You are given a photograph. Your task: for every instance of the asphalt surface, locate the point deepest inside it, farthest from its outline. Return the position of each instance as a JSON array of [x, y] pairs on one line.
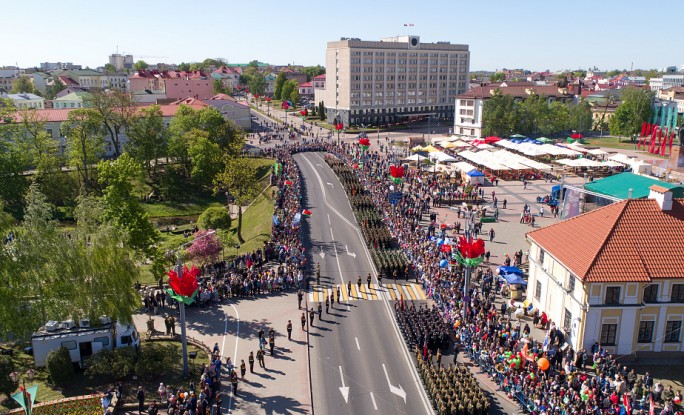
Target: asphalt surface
[[356, 345]]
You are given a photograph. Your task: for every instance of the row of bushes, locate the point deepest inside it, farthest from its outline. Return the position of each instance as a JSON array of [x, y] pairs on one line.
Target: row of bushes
[[148, 363]]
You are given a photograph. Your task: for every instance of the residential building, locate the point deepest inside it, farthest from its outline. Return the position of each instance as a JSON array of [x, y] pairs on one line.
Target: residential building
[[666, 82], [614, 276], [676, 94], [25, 101], [318, 83], [306, 90], [7, 78], [229, 77], [292, 74], [52, 66], [89, 79], [39, 80], [469, 106], [72, 100], [393, 80], [270, 85], [120, 61], [231, 109], [171, 84]]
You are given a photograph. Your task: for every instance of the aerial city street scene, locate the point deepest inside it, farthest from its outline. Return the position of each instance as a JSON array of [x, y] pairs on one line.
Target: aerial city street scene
[[362, 208]]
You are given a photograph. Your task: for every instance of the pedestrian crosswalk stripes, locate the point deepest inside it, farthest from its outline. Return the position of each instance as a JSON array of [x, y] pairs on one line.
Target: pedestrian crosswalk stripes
[[407, 291]]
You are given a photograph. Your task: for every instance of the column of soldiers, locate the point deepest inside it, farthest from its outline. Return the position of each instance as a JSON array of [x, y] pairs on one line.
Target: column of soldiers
[[453, 390], [424, 324]]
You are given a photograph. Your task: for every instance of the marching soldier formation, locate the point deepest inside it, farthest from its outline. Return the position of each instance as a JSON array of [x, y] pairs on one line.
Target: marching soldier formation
[[453, 390]]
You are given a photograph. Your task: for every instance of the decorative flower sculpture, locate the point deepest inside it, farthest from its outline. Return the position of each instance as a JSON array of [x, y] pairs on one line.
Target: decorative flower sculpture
[[339, 126], [364, 143], [470, 252], [397, 173], [184, 289]]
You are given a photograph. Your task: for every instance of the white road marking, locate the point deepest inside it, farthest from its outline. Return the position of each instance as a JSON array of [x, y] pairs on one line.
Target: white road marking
[[399, 391], [352, 254], [330, 184], [407, 356], [328, 218], [344, 389], [375, 405], [357, 343], [331, 234]]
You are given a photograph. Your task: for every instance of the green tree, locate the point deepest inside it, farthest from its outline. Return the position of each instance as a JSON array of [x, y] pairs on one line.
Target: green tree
[[116, 109], [13, 160], [23, 85], [239, 179], [206, 157], [83, 132], [498, 77], [294, 95], [321, 111], [288, 88], [59, 366], [498, 117], [183, 66], [214, 218], [53, 87], [7, 385], [581, 117], [278, 87], [155, 360], [218, 87], [140, 65], [147, 139], [118, 363], [256, 82], [109, 68], [213, 62], [121, 207], [636, 108], [313, 71]]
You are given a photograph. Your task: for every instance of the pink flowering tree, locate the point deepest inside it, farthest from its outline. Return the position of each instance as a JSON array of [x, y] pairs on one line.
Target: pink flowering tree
[[205, 249]]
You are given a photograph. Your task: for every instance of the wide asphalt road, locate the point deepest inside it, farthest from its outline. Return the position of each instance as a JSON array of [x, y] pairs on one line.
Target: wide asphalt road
[[359, 361]]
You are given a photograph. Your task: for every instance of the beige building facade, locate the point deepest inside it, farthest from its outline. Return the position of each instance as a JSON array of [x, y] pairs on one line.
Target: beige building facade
[[393, 80]]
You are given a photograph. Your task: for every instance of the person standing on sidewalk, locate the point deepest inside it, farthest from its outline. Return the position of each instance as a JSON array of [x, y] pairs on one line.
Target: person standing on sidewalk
[[300, 297], [303, 321], [234, 382], [312, 314], [251, 362], [289, 329], [243, 369], [271, 343], [141, 399], [491, 234], [327, 305], [320, 311], [368, 280]]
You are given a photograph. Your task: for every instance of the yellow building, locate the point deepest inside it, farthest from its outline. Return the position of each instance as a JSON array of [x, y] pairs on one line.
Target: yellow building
[[615, 275]]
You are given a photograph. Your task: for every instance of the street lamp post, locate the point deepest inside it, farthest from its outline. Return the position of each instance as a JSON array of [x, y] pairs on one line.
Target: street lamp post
[[181, 304]]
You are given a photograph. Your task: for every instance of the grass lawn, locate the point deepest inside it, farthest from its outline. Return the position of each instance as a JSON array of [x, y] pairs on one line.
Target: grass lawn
[[83, 384], [612, 142]]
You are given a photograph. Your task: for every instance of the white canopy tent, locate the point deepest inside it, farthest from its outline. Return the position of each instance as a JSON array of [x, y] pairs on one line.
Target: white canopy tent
[[622, 158], [558, 150], [416, 157], [597, 152], [518, 162], [441, 157], [463, 166], [482, 158]]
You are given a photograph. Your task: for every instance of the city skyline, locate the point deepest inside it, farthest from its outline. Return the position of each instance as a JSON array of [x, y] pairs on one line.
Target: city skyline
[[543, 36]]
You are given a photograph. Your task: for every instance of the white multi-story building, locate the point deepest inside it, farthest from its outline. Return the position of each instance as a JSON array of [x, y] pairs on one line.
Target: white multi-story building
[[667, 81], [393, 80], [120, 61], [25, 101]]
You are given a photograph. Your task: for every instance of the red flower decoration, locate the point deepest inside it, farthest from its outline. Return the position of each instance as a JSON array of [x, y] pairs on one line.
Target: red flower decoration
[[469, 248], [445, 248], [187, 285], [397, 172], [339, 126], [364, 142]]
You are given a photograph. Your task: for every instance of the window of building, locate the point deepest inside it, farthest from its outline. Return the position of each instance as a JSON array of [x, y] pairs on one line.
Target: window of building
[[537, 289], [69, 345], [571, 283], [612, 295], [608, 334], [651, 294], [542, 253], [677, 295], [645, 332], [672, 330], [567, 320]]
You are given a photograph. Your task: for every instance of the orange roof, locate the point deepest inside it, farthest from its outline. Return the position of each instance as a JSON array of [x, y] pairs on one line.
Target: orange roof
[[631, 240], [46, 115]]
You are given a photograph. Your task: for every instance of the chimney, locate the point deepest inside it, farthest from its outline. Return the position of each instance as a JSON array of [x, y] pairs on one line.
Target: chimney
[[661, 195]]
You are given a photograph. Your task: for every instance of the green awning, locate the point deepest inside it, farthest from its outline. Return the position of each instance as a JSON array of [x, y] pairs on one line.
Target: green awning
[[618, 186]]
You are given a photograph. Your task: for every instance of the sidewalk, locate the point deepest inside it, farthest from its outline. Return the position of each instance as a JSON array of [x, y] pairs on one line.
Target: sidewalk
[[281, 388]]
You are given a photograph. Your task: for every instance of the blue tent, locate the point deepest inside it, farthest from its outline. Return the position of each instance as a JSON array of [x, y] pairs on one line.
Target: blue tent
[[475, 173], [514, 279], [510, 270]]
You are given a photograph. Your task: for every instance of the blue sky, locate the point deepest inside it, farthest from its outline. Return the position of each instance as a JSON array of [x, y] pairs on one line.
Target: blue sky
[[533, 34]]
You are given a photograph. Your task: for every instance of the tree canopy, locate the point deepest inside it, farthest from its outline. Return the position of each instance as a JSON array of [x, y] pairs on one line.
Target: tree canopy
[[635, 108], [239, 179]]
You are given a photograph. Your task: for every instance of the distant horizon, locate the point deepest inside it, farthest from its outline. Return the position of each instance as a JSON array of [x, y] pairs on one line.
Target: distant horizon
[[545, 35]]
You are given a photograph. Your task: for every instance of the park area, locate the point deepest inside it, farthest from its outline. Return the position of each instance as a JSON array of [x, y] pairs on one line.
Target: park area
[[158, 361]]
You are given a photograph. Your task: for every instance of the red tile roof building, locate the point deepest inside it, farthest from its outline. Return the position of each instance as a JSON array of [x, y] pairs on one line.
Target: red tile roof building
[[614, 275]]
